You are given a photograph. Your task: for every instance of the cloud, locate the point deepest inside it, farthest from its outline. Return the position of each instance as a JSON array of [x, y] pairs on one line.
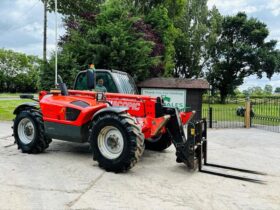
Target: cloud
[[21, 26], [234, 6], [274, 7]]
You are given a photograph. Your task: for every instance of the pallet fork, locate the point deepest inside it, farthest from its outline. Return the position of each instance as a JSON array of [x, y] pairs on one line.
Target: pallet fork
[[191, 149]]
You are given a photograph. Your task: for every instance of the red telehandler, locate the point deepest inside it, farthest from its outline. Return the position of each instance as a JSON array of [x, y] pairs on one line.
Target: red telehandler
[[117, 125]]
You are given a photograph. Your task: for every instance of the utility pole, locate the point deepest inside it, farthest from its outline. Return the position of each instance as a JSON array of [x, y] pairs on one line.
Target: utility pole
[[45, 33], [55, 43]]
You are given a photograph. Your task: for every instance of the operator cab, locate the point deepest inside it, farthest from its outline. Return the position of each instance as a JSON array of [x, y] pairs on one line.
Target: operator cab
[[111, 81]]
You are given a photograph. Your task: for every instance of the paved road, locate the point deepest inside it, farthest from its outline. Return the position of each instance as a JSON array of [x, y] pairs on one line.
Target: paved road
[[9, 98], [5, 129], [65, 177]]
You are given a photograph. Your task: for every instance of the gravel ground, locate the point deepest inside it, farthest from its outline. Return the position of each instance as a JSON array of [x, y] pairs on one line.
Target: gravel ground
[[66, 177]]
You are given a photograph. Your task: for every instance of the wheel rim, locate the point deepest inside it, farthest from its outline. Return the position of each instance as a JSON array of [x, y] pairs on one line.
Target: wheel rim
[[110, 142], [26, 131]]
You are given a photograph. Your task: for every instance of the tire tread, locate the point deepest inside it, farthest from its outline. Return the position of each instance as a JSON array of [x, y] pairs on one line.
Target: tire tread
[[42, 142], [134, 135]]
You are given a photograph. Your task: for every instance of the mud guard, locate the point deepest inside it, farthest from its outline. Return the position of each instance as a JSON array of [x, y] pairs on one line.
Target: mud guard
[[27, 105], [110, 109]]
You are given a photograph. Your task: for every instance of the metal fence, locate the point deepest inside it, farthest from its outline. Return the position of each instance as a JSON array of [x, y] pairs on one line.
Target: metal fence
[[266, 114], [223, 117]]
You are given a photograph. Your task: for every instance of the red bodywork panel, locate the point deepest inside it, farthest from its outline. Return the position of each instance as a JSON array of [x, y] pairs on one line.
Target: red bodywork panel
[[54, 109], [54, 106]]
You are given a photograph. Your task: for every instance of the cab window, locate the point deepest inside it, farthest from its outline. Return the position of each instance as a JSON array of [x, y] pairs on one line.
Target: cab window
[[108, 82]]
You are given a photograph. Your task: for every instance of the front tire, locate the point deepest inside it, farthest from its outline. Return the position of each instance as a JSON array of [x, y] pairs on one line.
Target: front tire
[[116, 141], [29, 132]]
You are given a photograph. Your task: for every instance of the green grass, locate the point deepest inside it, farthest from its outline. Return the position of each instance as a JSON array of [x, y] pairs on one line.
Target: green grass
[[220, 106], [14, 95], [223, 112], [271, 110], [266, 114], [7, 107]]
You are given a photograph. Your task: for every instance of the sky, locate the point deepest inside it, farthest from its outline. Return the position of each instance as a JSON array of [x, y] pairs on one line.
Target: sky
[[21, 26]]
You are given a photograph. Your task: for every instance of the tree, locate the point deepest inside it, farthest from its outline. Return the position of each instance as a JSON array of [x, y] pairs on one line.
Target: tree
[[166, 34], [174, 7], [189, 43], [67, 69], [237, 93], [119, 36], [199, 31], [268, 89], [115, 39], [75, 8], [254, 91], [176, 30], [277, 90], [241, 51], [18, 72]]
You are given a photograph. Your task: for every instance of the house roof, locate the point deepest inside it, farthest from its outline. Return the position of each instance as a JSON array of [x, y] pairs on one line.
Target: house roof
[[174, 83]]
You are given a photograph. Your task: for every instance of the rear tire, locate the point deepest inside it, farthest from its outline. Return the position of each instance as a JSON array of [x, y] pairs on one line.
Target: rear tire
[[29, 132], [159, 144], [116, 141]]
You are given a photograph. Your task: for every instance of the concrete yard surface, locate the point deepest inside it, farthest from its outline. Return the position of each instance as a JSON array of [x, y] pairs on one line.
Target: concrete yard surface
[[66, 177], [5, 129]]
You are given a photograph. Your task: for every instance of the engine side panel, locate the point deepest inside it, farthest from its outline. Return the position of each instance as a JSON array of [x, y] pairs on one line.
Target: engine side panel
[[66, 132]]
